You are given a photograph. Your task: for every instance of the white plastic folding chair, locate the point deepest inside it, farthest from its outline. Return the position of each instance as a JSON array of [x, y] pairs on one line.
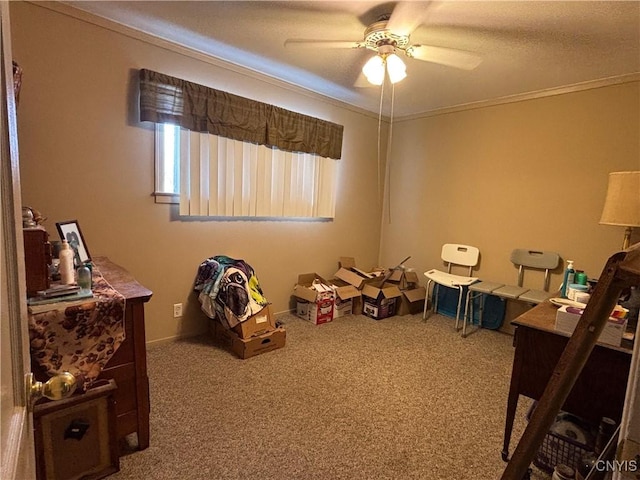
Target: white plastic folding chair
[[454, 255]]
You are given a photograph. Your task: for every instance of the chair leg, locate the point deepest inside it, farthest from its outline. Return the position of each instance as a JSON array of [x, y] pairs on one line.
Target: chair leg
[[460, 291], [468, 312], [426, 301]]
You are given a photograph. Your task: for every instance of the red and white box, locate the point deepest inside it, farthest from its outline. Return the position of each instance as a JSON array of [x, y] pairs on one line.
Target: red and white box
[[315, 298]]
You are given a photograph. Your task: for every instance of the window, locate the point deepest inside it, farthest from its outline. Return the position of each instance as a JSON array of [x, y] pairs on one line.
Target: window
[[217, 176], [167, 159], [234, 156]]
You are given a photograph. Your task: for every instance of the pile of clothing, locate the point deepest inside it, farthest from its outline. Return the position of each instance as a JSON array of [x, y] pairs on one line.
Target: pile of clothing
[[228, 290]]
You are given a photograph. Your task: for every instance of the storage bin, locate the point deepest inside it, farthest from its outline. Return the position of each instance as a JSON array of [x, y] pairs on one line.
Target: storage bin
[[494, 307]]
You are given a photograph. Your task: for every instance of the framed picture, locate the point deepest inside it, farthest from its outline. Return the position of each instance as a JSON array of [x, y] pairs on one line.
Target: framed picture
[[70, 231]]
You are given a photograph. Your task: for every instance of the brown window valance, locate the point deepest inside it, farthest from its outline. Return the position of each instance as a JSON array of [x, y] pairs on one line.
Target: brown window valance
[[166, 99]]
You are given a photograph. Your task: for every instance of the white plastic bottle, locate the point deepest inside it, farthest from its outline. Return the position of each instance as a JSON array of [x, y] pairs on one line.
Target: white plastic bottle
[[67, 272], [569, 275]]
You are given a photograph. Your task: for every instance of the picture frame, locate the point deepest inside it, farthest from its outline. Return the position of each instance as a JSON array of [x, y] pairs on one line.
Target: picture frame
[[70, 231]]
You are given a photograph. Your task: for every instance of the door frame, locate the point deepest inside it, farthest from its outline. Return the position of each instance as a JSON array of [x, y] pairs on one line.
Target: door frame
[[17, 458]]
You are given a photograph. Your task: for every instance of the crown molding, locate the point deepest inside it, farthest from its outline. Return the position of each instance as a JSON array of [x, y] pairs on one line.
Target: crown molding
[[523, 97]]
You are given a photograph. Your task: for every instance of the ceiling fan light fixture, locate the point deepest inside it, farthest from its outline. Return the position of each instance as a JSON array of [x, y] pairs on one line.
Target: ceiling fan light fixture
[[396, 68], [374, 70]]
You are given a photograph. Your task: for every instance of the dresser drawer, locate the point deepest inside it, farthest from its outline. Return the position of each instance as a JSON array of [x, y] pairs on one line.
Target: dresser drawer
[[125, 377]]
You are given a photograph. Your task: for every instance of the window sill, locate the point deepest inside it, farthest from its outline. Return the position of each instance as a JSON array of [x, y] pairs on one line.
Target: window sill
[[166, 197]]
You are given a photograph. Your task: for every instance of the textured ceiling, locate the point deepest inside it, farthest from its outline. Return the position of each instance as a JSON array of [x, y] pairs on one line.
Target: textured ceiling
[[525, 46]]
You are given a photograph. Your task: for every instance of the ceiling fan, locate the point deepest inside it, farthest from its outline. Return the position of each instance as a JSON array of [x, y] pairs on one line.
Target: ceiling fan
[[389, 36]]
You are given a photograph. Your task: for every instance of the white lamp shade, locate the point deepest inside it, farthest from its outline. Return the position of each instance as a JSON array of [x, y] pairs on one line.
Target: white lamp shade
[[374, 70], [622, 205], [396, 68]]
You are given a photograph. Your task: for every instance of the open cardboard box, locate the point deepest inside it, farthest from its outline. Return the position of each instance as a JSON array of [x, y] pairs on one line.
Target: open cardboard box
[[380, 302], [348, 272], [250, 347], [412, 301], [257, 324], [347, 299], [315, 298], [305, 289], [404, 279], [346, 292]]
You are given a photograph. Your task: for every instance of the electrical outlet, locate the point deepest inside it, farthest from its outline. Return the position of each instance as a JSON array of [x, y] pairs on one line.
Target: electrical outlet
[[177, 310]]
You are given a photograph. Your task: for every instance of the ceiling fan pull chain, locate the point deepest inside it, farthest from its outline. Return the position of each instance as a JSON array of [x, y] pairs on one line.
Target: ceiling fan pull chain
[[380, 193], [388, 179]]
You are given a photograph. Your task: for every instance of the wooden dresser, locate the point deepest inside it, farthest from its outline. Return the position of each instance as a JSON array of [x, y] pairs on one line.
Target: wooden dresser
[[128, 367]]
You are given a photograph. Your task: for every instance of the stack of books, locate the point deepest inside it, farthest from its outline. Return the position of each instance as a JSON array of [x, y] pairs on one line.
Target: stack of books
[[58, 296]]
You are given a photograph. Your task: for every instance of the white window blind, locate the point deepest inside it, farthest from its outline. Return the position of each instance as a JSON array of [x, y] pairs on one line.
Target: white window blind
[[230, 178]]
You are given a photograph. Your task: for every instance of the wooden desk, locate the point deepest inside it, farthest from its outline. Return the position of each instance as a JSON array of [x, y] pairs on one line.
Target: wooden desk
[[598, 392]]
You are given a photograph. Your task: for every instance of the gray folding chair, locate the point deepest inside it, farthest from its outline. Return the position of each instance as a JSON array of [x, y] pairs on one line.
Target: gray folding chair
[[524, 259]]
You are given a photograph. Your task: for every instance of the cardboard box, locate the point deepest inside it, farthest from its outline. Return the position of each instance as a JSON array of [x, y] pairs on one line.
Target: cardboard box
[[315, 312], [404, 279], [344, 303], [257, 324], [379, 303], [315, 298], [250, 347], [356, 300], [312, 288], [412, 301], [567, 318]]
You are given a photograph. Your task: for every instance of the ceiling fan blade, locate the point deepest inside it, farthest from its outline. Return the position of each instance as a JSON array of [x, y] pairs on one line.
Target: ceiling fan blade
[[307, 43], [407, 16], [445, 56], [362, 82]]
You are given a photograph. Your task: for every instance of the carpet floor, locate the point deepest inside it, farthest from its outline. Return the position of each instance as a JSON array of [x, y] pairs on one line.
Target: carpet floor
[[353, 399]]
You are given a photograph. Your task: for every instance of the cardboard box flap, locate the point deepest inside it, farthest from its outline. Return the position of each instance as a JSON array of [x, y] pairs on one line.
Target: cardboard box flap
[[350, 277], [403, 277], [396, 275], [306, 279], [415, 295], [347, 292], [411, 277], [387, 291], [370, 291], [305, 293], [305, 289], [391, 291], [337, 282], [346, 262], [364, 274]]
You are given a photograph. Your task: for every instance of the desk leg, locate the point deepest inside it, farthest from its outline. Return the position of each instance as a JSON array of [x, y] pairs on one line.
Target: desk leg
[[512, 401], [512, 405]]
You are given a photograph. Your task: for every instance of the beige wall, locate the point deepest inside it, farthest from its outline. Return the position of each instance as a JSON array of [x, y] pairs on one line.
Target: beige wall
[[84, 156], [530, 174]]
